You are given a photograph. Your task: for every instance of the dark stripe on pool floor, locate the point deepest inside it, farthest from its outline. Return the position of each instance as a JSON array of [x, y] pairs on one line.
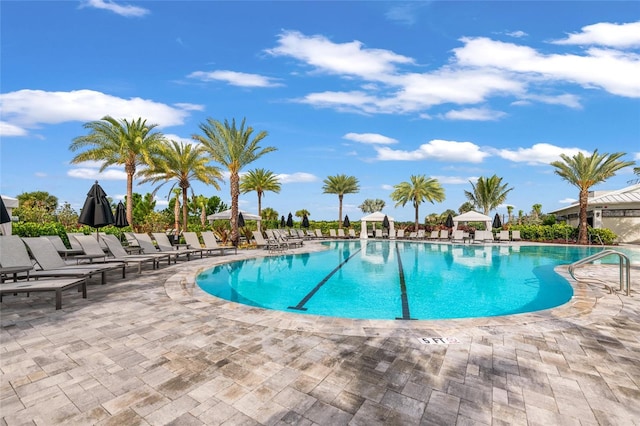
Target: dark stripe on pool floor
[[406, 315], [300, 305]]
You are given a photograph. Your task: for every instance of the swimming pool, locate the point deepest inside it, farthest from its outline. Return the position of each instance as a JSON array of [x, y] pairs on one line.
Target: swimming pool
[[400, 280]]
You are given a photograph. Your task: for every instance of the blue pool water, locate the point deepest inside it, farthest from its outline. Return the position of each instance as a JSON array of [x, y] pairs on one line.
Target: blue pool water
[[400, 280]]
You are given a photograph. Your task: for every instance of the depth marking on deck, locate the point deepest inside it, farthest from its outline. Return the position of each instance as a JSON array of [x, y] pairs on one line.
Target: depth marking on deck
[[439, 340], [300, 305], [403, 289]]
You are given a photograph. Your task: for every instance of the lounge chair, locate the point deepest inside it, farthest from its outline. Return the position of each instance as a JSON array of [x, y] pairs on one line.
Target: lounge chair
[[352, 233], [290, 241], [164, 245], [53, 265], [117, 250], [457, 236], [48, 284], [62, 248], [332, 233], [503, 236], [413, 235], [146, 244], [421, 234], [341, 233], [434, 235], [319, 233], [191, 238], [378, 233], [400, 234], [211, 243], [515, 235], [444, 234], [271, 244], [90, 245]]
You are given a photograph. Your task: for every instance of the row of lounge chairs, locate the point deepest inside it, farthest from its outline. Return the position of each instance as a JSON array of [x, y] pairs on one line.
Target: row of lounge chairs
[[38, 264], [462, 236]]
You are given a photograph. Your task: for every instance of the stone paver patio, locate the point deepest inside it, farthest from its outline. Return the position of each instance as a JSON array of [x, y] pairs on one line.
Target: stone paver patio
[[154, 349]]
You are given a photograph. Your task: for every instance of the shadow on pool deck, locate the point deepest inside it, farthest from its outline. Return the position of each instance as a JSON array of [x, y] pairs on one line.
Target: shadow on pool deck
[[155, 349]]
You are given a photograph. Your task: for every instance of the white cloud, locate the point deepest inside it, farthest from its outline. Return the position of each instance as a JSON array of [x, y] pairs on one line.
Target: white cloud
[[606, 34], [172, 137], [439, 150], [387, 187], [27, 109], [370, 138], [474, 114], [126, 11], [636, 156], [95, 174], [404, 13], [350, 58], [296, 177], [454, 180], [7, 129], [568, 200], [615, 71], [538, 154], [517, 34], [235, 78], [568, 100]]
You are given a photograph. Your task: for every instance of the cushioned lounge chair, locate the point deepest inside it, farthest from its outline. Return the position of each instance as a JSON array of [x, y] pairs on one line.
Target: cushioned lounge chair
[[444, 234], [44, 285], [503, 236], [457, 236], [51, 264], [270, 244], [515, 235], [91, 245]]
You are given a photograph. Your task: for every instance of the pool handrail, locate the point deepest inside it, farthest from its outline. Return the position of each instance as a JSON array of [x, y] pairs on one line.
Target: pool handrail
[[624, 262]]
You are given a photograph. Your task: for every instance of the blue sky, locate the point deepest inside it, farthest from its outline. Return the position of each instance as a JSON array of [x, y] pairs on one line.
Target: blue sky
[[376, 90]]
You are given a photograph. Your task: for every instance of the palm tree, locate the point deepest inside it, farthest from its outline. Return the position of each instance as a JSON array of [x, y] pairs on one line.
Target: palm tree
[[181, 163], [302, 213], [372, 206], [259, 180], [269, 214], [340, 184], [119, 142], [419, 189], [488, 193], [510, 213], [584, 172], [199, 203], [233, 148]]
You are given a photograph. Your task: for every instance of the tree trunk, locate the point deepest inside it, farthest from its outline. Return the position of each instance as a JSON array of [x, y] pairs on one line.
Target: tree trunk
[[235, 194], [185, 209], [176, 217], [583, 236], [259, 209], [130, 199], [417, 217], [340, 197]]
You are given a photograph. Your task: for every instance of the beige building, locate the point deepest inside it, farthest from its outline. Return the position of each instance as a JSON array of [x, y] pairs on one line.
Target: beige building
[[618, 211]]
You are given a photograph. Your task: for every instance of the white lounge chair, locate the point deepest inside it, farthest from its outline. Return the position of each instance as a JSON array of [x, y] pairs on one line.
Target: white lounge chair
[[341, 233], [457, 236], [332, 233], [444, 234], [515, 235], [503, 236], [352, 233], [434, 235], [400, 234]]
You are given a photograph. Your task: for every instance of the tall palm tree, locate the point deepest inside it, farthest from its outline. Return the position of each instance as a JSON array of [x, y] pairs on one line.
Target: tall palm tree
[[340, 184], [233, 148], [181, 163], [259, 180], [510, 213], [129, 143], [417, 190], [371, 206], [302, 213], [488, 193], [269, 214], [584, 172]]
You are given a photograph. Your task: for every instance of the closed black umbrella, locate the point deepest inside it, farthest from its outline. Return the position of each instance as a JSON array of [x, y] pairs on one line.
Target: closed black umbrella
[[449, 222], [96, 211], [305, 221], [290, 220], [283, 223], [497, 223], [385, 222], [121, 216], [240, 220], [346, 222], [4, 218]]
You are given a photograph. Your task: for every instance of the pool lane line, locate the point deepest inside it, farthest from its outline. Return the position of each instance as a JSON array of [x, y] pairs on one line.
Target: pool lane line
[[300, 305], [406, 315]]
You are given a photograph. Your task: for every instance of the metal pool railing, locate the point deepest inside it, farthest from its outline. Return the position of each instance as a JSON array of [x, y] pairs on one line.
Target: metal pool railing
[[625, 268]]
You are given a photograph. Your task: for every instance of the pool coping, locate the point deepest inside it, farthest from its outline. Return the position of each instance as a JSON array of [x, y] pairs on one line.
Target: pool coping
[[587, 303]]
